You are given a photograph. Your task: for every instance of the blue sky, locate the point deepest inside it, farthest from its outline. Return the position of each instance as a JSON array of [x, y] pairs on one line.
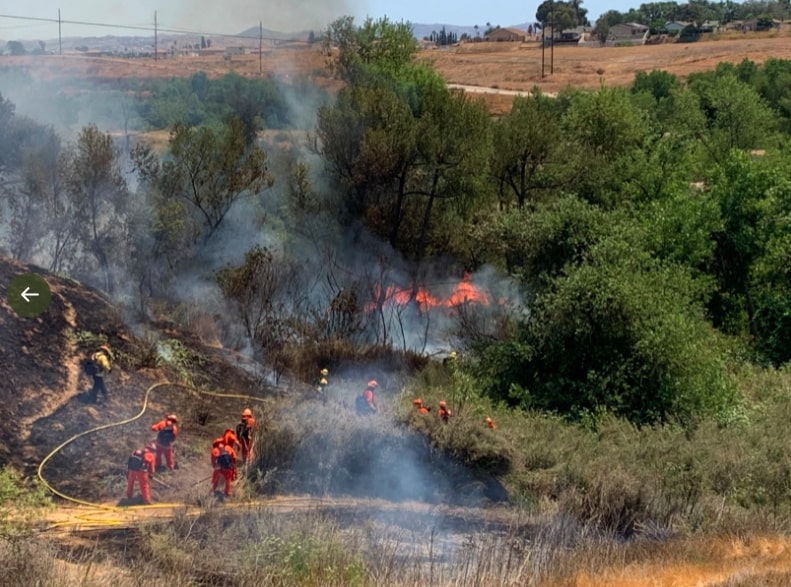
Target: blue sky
[[231, 16]]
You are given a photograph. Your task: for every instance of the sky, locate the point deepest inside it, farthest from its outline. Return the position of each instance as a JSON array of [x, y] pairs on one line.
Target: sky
[[233, 16]]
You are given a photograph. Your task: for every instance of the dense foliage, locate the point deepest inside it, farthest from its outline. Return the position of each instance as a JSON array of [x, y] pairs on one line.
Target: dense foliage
[[199, 100]]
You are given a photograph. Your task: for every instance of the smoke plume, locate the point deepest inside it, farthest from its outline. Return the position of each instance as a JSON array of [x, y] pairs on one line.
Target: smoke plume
[[235, 16]]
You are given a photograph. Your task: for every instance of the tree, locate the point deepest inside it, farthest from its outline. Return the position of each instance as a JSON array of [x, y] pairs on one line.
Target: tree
[[209, 171], [99, 194], [606, 129], [736, 117], [559, 15], [16, 48], [378, 44], [610, 329], [747, 194], [525, 150], [40, 177]]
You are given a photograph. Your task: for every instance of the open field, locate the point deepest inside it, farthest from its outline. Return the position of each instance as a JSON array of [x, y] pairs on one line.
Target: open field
[[285, 62], [515, 66]]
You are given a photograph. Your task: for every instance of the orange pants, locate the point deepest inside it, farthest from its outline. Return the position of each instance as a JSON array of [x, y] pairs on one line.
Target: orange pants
[[215, 479], [247, 450], [167, 452], [142, 480]]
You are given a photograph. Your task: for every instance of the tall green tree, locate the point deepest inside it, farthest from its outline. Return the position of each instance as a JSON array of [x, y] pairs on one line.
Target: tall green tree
[[99, 194], [208, 171], [378, 44], [527, 151]]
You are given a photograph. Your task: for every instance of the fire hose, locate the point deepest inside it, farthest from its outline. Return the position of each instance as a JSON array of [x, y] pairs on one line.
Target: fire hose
[[87, 517]]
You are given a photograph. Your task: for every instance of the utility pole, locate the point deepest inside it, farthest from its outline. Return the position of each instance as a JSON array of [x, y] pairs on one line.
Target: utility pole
[[60, 38], [260, 47], [543, 47], [552, 47], [155, 35]]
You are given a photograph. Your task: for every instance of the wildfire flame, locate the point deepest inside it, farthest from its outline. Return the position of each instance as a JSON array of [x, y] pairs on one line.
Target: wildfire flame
[[464, 292]]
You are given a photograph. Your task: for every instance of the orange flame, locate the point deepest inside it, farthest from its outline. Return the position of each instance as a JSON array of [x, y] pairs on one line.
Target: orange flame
[[464, 292]]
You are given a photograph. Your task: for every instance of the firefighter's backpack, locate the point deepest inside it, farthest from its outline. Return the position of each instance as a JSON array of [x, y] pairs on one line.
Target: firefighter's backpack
[[166, 436], [135, 462], [224, 460]]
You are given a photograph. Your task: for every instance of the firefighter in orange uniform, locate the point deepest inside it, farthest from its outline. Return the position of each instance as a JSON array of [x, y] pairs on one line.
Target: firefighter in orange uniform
[[420, 406], [244, 433], [223, 461], [139, 467], [490, 423], [167, 432], [443, 412], [229, 437], [365, 403]]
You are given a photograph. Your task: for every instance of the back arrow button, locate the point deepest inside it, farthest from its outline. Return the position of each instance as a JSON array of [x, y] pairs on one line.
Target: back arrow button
[[27, 294]]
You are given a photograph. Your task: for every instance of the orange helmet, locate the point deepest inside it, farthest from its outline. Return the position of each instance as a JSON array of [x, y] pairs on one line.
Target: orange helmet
[[373, 383], [247, 413], [417, 401], [172, 418], [442, 404]]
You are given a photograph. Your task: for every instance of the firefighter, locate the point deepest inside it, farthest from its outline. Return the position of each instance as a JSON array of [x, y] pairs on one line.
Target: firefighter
[[320, 383], [244, 432], [140, 467], [223, 461], [443, 412], [420, 406], [365, 403], [167, 432], [97, 366], [490, 423], [449, 360], [229, 437]]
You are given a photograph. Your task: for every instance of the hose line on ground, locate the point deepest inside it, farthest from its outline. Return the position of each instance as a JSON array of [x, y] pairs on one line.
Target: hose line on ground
[[109, 508]]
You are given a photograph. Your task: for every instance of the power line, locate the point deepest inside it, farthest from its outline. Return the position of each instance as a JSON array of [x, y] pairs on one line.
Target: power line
[[150, 29]]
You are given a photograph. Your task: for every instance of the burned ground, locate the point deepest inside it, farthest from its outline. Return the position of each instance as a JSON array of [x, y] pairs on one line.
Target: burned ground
[[330, 452]]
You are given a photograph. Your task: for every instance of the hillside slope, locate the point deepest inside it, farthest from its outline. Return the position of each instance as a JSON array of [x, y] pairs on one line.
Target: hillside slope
[[43, 392]]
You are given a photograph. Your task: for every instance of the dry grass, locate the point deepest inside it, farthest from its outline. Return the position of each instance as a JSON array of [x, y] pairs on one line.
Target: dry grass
[[513, 66], [299, 59], [257, 547]]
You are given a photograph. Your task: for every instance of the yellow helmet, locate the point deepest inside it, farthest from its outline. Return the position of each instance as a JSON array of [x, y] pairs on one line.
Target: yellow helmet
[[172, 418], [247, 413], [417, 401], [324, 372], [442, 404]]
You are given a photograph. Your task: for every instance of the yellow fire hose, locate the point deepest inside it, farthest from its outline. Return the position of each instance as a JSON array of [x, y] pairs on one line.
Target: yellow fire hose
[[91, 517]]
